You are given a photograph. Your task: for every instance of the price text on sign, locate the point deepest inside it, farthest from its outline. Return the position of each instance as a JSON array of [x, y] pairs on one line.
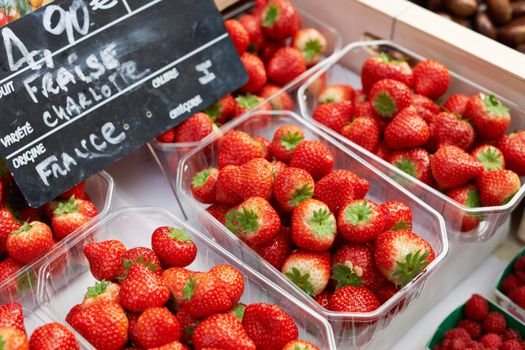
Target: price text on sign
[[85, 82]]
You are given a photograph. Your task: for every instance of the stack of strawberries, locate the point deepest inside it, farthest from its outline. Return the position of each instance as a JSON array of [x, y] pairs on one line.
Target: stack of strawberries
[[458, 147], [274, 50], [514, 283], [310, 221]]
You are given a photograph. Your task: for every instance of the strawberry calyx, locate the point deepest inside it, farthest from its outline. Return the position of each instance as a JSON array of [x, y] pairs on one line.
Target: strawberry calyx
[[346, 274], [413, 265], [301, 281], [407, 165], [25, 227], [238, 311], [67, 207], [242, 221], [271, 16], [290, 140], [312, 48], [490, 158], [384, 104], [322, 222], [179, 234], [247, 101], [140, 260], [493, 106], [189, 288], [358, 213], [200, 178], [384, 57], [302, 193], [214, 111], [401, 224], [98, 289], [473, 199]]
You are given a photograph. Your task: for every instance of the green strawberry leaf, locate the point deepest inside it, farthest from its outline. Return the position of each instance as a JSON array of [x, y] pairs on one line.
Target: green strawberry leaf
[[302, 281], [66, 207], [179, 234], [242, 221], [24, 228], [238, 311], [302, 193], [214, 111], [201, 178], [345, 276], [322, 223], [473, 199], [358, 213], [271, 16], [493, 106], [413, 265], [290, 140], [401, 225], [407, 165], [312, 49], [189, 288], [247, 101], [98, 289], [384, 104], [490, 158]]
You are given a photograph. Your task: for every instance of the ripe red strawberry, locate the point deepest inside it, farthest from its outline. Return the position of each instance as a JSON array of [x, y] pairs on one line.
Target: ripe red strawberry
[[381, 67], [407, 129], [195, 128], [187, 325], [133, 318], [314, 157], [360, 221], [285, 65], [476, 308], [311, 43], [426, 108], [237, 147], [172, 346], [364, 131], [53, 336], [353, 265], [203, 185], [322, 299], [497, 187], [490, 157], [104, 325], [29, 242], [291, 187], [365, 110], [386, 291], [456, 333], [488, 115], [226, 184], [277, 167], [517, 295], [402, 255], [285, 140], [398, 216], [269, 326], [219, 211], [252, 25], [334, 115], [157, 326], [299, 345], [71, 215], [452, 167], [257, 76], [511, 334], [313, 226], [388, 97], [456, 103], [270, 49], [13, 338], [106, 259], [78, 191], [221, 110], [254, 221], [8, 269], [339, 187], [414, 162], [510, 282], [382, 151], [513, 148], [173, 246], [238, 34], [176, 279], [451, 129], [511, 345], [353, 299], [494, 322], [142, 289], [282, 102], [143, 256], [72, 313], [101, 291], [8, 224], [265, 144], [204, 295], [280, 19], [167, 137], [308, 270], [491, 340], [468, 196], [12, 315], [222, 331], [255, 179], [277, 250], [472, 327], [431, 79], [336, 93]]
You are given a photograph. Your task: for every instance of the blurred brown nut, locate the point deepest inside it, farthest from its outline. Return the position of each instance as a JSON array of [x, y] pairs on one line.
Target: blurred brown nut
[[513, 33], [499, 10], [461, 8], [518, 8], [483, 25], [435, 5]]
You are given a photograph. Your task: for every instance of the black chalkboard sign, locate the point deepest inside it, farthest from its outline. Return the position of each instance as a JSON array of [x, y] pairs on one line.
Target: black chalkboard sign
[[85, 82]]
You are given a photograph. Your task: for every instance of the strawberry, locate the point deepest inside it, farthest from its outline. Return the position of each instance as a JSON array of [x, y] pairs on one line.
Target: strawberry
[[276, 167], [311, 43], [494, 322], [106, 259], [8, 224], [104, 325], [72, 313], [451, 129], [402, 255], [176, 279], [336, 93], [167, 137], [285, 65], [491, 340], [280, 19], [513, 148], [142, 289], [310, 271], [187, 325], [221, 331], [236, 148], [426, 108], [254, 221], [476, 308], [339, 187], [143, 256], [360, 221], [282, 101], [270, 49], [488, 115], [285, 140], [431, 79], [78, 191], [322, 299], [353, 299], [386, 291], [12, 315], [511, 334], [364, 131], [353, 265], [517, 295], [277, 250], [172, 346], [472, 327], [53, 336], [407, 129], [13, 339], [252, 25], [467, 195], [219, 211], [511, 345], [238, 34], [173, 246], [205, 295], [71, 215], [456, 333], [269, 326], [381, 67], [313, 226], [101, 291], [299, 345], [256, 73], [490, 157], [194, 129], [255, 179], [334, 115], [398, 216], [314, 157], [388, 97], [382, 151], [265, 144], [414, 162], [497, 187], [291, 187], [226, 184], [29, 242], [8, 269], [221, 110], [456, 103], [510, 282], [203, 185], [157, 326], [231, 279], [452, 167]]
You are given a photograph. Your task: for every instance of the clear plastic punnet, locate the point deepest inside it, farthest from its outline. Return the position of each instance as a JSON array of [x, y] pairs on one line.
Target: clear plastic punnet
[[351, 329], [345, 68], [63, 281]]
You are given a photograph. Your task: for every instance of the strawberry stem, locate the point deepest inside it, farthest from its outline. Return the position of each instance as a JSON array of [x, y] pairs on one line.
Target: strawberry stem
[[179, 234], [413, 265], [301, 281], [68, 207], [290, 140], [98, 289], [493, 106], [490, 158], [322, 223], [242, 221], [358, 214], [24, 228]]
